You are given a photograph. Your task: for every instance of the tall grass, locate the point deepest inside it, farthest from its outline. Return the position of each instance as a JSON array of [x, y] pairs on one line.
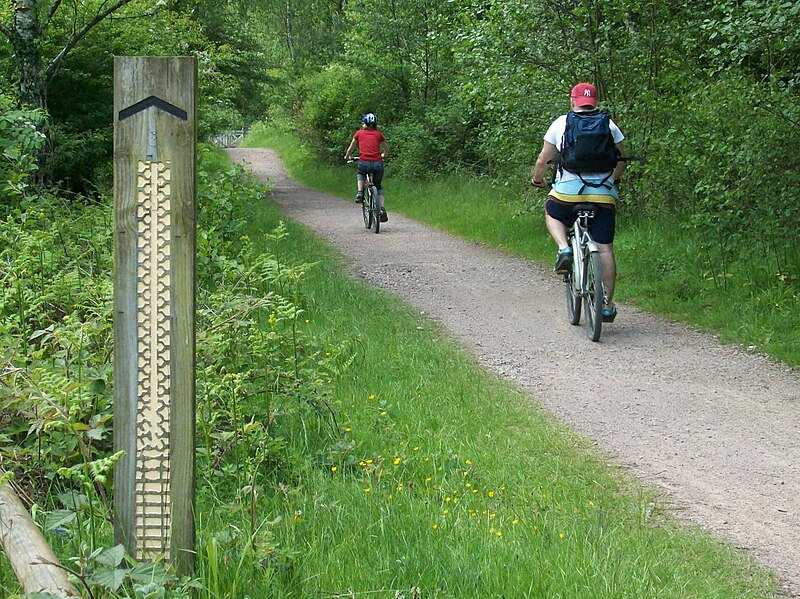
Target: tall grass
[[747, 291]]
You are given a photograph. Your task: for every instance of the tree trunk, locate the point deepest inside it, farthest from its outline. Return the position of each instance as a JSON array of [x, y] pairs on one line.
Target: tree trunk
[[26, 41]]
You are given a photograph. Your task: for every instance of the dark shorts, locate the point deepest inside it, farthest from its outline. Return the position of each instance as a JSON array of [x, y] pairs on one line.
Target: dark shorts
[[376, 168], [602, 225]]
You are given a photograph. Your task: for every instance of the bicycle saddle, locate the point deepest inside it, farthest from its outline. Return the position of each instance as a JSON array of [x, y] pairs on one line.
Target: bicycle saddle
[[584, 207]]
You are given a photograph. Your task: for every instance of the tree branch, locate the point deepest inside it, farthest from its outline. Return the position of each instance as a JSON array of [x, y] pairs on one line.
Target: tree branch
[[51, 13], [6, 31], [53, 67]]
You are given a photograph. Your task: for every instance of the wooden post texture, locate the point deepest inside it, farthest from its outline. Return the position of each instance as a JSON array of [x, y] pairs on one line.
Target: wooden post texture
[[34, 563], [154, 306]]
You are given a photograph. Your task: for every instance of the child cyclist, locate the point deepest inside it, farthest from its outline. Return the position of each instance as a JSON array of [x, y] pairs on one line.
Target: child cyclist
[[373, 150]]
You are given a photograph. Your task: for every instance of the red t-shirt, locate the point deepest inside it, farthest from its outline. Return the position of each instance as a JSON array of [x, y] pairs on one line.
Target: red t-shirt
[[369, 144]]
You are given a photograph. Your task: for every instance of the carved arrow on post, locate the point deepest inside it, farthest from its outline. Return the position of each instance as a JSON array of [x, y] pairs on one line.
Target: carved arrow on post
[[152, 101]]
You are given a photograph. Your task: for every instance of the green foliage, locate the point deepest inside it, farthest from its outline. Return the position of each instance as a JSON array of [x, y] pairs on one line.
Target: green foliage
[[760, 38], [261, 378], [78, 85], [20, 143], [334, 101]]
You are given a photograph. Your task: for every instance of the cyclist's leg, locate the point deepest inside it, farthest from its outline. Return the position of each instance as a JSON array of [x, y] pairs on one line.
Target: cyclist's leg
[[602, 226], [558, 218], [377, 179], [360, 181], [608, 265]]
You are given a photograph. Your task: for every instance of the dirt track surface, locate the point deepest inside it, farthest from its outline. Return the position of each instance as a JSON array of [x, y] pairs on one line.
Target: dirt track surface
[[713, 426]]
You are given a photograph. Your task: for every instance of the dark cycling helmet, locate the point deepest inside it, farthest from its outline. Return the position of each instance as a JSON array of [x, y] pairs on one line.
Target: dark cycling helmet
[[370, 119]]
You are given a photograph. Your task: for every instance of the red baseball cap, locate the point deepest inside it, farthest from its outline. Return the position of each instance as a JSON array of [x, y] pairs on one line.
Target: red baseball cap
[[584, 94]]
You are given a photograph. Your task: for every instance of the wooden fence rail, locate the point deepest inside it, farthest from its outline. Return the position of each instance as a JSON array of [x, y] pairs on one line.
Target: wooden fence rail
[[34, 563]]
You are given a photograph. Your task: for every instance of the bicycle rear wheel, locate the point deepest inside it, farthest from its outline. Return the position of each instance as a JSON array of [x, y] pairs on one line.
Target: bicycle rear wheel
[[374, 208], [593, 300]]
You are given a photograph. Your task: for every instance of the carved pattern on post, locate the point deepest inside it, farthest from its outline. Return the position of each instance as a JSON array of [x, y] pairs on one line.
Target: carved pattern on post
[[152, 484]]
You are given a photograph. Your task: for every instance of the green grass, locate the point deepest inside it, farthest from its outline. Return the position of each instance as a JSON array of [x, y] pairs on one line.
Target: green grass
[[444, 478], [663, 267], [214, 157]]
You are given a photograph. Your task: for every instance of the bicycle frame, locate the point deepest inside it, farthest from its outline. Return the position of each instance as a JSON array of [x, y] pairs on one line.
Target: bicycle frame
[[585, 281], [585, 244]]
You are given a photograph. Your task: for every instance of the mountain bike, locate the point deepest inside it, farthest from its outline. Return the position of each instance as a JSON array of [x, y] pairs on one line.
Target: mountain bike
[[584, 283], [370, 208]]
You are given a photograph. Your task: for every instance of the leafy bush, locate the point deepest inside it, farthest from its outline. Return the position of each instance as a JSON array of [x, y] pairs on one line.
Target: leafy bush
[[20, 143], [334, 101]]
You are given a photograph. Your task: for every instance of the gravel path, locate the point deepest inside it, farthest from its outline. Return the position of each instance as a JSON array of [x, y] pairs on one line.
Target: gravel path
[[713, 426]]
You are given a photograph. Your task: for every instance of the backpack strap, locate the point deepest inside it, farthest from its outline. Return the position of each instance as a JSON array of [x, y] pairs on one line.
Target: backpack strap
[[569, 125], [602, 183]]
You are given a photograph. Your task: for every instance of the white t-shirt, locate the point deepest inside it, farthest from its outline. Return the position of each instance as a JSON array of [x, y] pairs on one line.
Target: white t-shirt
[[555, 135]]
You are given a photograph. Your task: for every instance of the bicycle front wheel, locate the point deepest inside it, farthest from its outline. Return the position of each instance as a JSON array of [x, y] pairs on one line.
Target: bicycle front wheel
[[375, 209], [593, 300]]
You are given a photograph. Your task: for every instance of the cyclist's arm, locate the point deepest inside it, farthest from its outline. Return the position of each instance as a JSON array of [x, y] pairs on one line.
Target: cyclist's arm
[[349, 149], [384, 150], [548, 152], [620, 165]]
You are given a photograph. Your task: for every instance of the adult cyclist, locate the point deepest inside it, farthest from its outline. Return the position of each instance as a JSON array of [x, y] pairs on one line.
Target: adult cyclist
[[373, 151], [570, 188]]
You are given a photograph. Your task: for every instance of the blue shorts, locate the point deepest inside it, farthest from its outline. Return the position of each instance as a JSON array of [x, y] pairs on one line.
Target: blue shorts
[[376, 168], [602, 225]]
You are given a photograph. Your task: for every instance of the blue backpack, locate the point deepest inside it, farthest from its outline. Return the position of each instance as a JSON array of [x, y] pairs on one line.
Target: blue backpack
[[588, 146]]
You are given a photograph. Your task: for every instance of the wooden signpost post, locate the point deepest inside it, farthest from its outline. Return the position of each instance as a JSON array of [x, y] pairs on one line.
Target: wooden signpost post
[[154, 306]]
